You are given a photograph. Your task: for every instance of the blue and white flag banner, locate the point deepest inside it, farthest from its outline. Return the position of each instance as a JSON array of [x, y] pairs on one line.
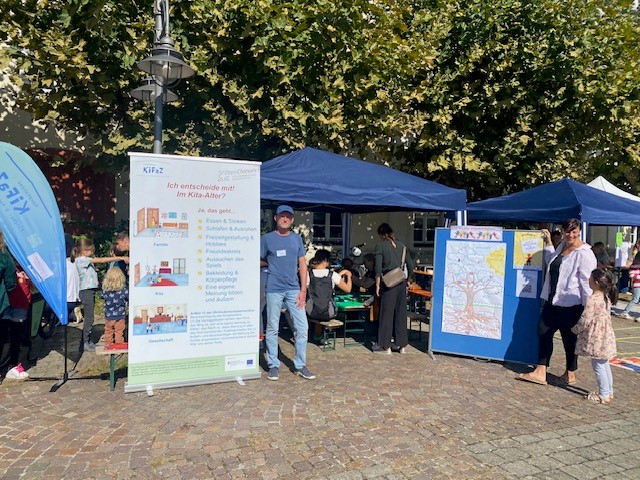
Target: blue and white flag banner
[[30, 221]]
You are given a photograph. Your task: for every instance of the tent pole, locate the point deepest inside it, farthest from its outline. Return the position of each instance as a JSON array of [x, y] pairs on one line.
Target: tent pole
[[583, 232], [461, 217], [346, 235]]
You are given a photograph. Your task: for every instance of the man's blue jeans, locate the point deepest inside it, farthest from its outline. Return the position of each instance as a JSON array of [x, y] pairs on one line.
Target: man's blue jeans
[[300, 327]]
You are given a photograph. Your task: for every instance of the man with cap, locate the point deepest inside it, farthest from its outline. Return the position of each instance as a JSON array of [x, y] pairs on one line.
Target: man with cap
[[283, 253]]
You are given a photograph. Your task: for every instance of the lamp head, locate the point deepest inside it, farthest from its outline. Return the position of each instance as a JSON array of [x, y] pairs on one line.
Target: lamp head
[[147, 92], [166, 62]]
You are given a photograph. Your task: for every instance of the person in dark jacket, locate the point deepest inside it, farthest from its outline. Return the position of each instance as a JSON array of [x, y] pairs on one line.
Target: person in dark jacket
[[393, 300]]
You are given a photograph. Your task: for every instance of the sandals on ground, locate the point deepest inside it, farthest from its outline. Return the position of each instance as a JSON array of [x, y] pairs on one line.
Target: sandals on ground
[[593, 397]]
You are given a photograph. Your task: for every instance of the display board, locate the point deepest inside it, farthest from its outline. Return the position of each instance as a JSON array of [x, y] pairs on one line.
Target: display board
[[486, 293], [195, 250]]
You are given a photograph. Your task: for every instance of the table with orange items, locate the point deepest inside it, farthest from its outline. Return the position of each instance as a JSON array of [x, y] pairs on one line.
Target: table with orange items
[[418, 299]]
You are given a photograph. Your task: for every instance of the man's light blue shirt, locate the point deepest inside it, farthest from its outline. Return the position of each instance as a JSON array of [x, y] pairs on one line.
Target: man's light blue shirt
[[282, 254]]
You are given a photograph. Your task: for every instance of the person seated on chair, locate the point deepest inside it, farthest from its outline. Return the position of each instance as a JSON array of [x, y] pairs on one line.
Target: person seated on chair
[[367, 282], [319, 269], [347, 264]]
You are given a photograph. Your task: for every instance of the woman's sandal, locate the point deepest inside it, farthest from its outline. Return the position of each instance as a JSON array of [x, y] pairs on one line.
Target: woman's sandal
[[593, 397], [528, 377]]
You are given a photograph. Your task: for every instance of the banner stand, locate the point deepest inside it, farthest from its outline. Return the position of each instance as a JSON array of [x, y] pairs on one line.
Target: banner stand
[[190, 383], [66, 374], [30, 206]]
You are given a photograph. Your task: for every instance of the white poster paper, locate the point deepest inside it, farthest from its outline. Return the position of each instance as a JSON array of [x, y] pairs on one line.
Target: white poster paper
[[526, 283], [193, 278], [622, 254], [528, 250]]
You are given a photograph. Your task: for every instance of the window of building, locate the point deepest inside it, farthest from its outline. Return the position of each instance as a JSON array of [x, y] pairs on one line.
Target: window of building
[[424, 230], [327, 227]]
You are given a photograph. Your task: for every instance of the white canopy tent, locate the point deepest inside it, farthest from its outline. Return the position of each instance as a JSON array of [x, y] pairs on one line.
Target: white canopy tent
[[605, 185], [608, 233]]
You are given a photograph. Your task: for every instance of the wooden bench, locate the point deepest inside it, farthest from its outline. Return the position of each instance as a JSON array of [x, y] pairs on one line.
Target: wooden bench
[[328, 332], [113, 356]]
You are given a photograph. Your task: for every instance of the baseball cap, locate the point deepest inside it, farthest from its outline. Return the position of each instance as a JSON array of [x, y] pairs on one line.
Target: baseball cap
[[284, 208]]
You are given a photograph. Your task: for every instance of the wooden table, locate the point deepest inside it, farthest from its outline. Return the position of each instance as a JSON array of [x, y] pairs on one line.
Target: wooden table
[[428, 271], [419, 292], [417, 311]]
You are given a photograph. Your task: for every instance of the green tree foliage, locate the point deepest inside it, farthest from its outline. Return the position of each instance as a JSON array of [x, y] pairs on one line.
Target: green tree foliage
[[492, 96], [527, 92]]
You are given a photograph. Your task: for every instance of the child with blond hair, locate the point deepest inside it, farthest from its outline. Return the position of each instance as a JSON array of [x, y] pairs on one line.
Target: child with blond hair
[[83, 257], [115, 295]]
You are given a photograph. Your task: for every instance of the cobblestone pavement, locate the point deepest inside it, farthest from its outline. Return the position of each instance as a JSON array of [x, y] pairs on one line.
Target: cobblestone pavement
[[365, 416]]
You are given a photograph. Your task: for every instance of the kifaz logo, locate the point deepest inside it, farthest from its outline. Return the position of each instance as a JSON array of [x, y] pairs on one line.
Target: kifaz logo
[[152, 170]]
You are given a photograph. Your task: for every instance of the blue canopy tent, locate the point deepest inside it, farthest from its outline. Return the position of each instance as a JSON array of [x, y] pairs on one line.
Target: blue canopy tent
[[557, 201], [319, 181]]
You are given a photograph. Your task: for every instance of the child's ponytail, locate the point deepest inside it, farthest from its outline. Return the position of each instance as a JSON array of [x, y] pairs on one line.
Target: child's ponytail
[[607, 282], [80, 246]]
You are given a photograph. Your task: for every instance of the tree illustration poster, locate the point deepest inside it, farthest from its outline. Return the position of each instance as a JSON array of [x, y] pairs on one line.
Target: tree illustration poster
[[474, 288]]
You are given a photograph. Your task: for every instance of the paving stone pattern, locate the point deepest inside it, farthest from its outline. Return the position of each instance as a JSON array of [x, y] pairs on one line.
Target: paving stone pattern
[[365, 416]]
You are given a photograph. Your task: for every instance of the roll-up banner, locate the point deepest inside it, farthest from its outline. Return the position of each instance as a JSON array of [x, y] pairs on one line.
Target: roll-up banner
[[194, 271]]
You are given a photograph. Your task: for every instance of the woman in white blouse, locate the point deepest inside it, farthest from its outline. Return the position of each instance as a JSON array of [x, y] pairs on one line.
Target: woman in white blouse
[[565, 291]]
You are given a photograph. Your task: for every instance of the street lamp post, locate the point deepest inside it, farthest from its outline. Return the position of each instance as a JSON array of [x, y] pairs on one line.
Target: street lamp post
[[166, 67]]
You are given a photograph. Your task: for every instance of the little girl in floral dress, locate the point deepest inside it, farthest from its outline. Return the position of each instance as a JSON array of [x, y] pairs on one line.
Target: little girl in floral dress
[[596, 338]]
